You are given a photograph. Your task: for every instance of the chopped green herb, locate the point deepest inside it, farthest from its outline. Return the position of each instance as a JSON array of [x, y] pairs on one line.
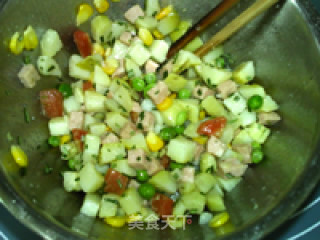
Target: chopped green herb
[[138, 159], [166, 74], [18, 140], [51, 68], [113, 165], [119, 183], [236, 98], [22, 171], [140, 126], [119, 157], [48, 170], [7, 92], [199, 92], [141, 116], [27, 118], [26, 60], [132, 133], [112, 201], [9, 137]]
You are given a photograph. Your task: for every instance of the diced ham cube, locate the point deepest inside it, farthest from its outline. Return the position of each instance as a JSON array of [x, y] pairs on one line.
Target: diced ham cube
[[245, 150], [147, 119], [159, 92], [166, 69], [233, 166], [269, 118], [137, 159], [126, 37], [110, 138], [136, 107], [187, 174], [154, 166], [133, 184], [226, 88], [202, 92], [136, 110], [28, 76], [151, 66], [121, 71], [134, 13], [216, 147], [76, 120], [128, 130], [199, 150]]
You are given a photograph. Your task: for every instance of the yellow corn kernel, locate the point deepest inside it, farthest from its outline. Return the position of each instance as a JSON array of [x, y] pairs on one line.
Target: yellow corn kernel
[[85, 11], [158, 34], [19, 156], [200, 140], [145, 36], [202, 115], [107, 52], [154, 142], [165, 104], [16, 44], [97, 49], [134, 218], [64, 139], [117, 222], [110, 66], [219, 220], [101, 5], [164, 12], [30, 38]]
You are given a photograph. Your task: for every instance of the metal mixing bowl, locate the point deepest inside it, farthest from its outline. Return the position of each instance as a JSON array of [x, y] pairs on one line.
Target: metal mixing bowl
[[284, 43]]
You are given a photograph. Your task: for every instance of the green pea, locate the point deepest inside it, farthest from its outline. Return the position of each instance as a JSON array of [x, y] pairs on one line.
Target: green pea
[[146, 190], [167, 133], [180, 129], [142, 175], [174, 165], [257, 156], [147, 88], [184, 94], [72, 164], [220, 62], [182, 118], [54, 141], [256, 146], [255, 102], [65, 89], [150, 78], [138, 84]]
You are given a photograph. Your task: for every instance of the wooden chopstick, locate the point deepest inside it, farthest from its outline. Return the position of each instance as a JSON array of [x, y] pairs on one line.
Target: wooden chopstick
[[249, 14], [198, 28]]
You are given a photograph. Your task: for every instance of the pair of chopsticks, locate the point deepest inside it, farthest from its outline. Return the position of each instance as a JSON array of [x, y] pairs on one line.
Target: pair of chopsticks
[[235, 25]]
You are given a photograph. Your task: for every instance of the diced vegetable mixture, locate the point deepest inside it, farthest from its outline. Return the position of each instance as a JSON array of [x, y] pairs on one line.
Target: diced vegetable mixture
[[139, 139]]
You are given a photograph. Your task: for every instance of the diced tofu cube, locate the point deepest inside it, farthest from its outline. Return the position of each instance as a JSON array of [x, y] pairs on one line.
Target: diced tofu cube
[[139, 54], [91, 205], [201, 92], [137, 159], [258, 132], [225, 89], [233, 166], [216, 147], [245, 150], [269, 118], [187, 174], [121, 71], [125, 38], [59, 126], [147, 120], [71, 181], [134, 13], [154, 167], [76, 120], [28, 76], [128, 130], [151, 66], [166, 69], [159, 92], [235, 103], [110, 138], [136, 107], [159, 50], [112, 151]]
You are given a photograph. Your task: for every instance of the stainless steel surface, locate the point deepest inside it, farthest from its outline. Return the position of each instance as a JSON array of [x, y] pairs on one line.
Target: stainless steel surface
[[283, 43]]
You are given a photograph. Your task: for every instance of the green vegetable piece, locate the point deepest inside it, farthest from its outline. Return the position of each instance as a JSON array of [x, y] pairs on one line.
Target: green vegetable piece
[[142, 175], [175, 82], [65, 89], [54, 141], [182, 118], [184, 94], [147, 191], [27, 117], [167, 134], [179, 129], [72, 163], [220, 62], [255, 102], [257, 156], [256, 146], [147, 88], [150, 78], [138, 84], [174, 165]]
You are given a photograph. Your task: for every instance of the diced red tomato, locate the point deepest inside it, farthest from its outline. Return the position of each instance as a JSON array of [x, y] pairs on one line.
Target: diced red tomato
[[162, 205], [212, 127], [165, 161], [115, 182], [52, 103], [87, 85], [83, 42], [78, 133]]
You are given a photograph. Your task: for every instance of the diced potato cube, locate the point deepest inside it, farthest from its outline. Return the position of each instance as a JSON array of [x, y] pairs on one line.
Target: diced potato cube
[[109, 205], [244, 73], [181, 150], [235, 103], [139, 54], [91, 205], [59, 126], [213, 107], [205, 182], [71, 104], [164, 181], [194, 201], [94, 102], [115, 121], [269, 105], [123, 167], [90, 179], [91, 148], [75, 71], [71, 181], [112, 151], [258, 132], [175, 82], [50, 43], [159, 50], [131, 202], [247, 91], [98, 129]]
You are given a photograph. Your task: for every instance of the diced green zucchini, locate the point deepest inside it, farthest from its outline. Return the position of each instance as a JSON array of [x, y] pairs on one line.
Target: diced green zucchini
[[194, 202], [75, 71], [185, 60], [94, 102], [208, 163], [186, 187], [98, 129], [191, 130], [115, 121], [213, 76], [112, 151], [101, 27], [123, 97], [90, 179], [181, 150], [168, 24], [244, 73], [91, 148], [91, 205], [205, 181], [131, 202], [170, 115], [193, 107], [139, 53], [228, 184], [109, 205], [163, 181], [131, 66], [136, 141], [179, 209], [119, 51], [175, 82], [243, 137], [71, 104], [269, 105], [213, 107], [152, 7], [159, 50], [48, 66], [258, 132], [211, 57], [59, 126], [215, 201], [180, 30], [194, 44], [71, 181], [147, 22], [235, 103], [247, 91], [50, 43], [123, 167]]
